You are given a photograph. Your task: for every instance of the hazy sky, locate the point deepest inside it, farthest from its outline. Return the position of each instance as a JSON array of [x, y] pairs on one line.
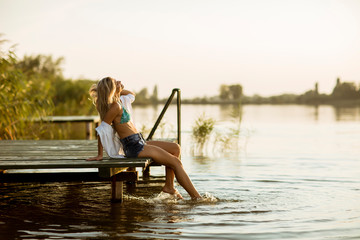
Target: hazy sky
[[270, 47]]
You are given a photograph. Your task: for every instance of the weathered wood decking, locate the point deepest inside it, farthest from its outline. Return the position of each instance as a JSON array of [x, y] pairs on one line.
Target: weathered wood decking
[[66, 156]]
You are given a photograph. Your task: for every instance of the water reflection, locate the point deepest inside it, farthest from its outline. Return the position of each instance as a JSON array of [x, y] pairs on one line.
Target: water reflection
[[80, 211], [347, 113], [316, 113], [84, 211], [231, 111]]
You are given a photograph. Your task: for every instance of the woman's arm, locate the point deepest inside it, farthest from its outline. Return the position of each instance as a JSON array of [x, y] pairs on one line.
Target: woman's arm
[[114, 110], [100, 151], [126, 92]]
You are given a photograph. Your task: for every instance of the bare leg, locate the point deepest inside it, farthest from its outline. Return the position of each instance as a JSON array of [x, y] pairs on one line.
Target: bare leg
[[159, 155], [173, 149]]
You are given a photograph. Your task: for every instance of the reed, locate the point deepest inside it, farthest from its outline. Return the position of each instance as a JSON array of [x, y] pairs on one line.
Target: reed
[[202, 130], [24, 96]]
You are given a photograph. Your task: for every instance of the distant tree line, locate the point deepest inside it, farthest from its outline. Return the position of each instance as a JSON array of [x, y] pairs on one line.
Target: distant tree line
[[231, 92], [143, 97], [228, 94], [343, 93]]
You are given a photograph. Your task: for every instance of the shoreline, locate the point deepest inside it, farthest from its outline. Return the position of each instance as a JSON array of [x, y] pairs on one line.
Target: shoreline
[[335, 103]]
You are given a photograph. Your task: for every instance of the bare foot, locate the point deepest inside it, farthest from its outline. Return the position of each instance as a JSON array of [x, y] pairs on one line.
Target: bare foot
[[173, 192]]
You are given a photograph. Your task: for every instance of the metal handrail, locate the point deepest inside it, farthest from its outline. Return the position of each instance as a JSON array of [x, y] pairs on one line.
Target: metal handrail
[[175, 90]]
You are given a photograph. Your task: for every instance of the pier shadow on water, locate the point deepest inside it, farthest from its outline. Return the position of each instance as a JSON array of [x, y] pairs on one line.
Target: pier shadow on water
[[84, 211]]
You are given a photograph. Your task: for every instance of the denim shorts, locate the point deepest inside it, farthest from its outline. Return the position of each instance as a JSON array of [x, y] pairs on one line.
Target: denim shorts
[[133, 144]]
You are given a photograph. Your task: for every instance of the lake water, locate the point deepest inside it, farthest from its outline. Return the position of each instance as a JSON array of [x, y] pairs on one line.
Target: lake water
[[292, 172]]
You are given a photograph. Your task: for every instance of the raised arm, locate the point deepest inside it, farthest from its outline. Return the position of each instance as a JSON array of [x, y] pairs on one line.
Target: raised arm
[[126, 92]]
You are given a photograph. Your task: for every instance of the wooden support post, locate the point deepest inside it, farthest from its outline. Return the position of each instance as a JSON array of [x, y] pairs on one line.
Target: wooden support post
[[146, 172], [117, 183], [89, 130], [117, 190], [132, 180]]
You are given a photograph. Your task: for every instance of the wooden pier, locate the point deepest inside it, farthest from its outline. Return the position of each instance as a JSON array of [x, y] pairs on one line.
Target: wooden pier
[[63, 161], [91, 122]]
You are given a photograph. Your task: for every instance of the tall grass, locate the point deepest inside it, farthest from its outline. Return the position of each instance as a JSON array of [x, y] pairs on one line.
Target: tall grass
[[23, 97], [201, 132], [207, 135]]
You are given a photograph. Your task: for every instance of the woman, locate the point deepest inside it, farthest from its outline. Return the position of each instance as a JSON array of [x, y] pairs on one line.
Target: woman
[[106, 97]]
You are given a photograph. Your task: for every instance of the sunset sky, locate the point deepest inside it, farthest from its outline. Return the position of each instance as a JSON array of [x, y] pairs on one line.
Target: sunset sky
[[268, 46]]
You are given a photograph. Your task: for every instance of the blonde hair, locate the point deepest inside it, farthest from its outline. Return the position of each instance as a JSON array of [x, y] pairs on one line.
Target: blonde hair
[[103, 95]]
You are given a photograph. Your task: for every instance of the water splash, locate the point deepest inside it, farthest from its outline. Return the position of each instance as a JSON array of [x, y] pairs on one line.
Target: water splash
[[208, 198], [167, 198], [164, 197], [160, 198]]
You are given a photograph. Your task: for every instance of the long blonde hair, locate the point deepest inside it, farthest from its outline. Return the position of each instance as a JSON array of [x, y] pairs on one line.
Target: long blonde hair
[[103, 95]]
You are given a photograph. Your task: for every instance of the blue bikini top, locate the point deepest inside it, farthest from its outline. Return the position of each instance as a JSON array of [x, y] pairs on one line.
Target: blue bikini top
[[125, 116]]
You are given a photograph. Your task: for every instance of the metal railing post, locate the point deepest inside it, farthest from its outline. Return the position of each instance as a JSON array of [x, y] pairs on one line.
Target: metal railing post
[[168, 102], [179, 115]]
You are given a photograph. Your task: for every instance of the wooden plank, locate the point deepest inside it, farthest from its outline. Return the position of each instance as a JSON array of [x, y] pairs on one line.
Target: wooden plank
[[65, 177], [43, 164], [45, 154], [63, 158], [47, 149], [54, 147], [51, 177], [60, 119], [39, 152], [47, 142], [47, 158], [63, 146]]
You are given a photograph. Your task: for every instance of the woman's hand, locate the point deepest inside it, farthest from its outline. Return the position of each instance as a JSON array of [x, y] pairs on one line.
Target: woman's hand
[[97, 158], [126, 92]]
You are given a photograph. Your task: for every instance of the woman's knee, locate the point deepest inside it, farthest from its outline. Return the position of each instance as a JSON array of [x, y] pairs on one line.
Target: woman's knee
[[177, 150], [161, 156]]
